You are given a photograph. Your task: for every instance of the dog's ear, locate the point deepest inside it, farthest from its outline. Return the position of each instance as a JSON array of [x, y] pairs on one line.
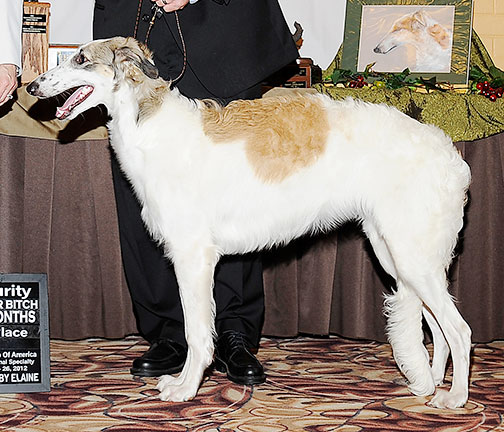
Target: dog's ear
[[129, 55], [419, 20], [149, 69]]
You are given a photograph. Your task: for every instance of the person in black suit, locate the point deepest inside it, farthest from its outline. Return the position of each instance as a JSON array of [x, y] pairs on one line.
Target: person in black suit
[[224, 50]]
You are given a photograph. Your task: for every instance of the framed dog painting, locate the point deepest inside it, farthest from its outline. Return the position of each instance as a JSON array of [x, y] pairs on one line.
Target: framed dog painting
[[59, 53], [429, 37]]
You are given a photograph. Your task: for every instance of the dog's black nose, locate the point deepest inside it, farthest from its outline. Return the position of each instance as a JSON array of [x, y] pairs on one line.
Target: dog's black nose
[[32, 88]]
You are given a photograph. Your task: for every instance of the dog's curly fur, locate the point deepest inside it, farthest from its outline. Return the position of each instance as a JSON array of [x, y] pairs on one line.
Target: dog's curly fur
[[224, 180]]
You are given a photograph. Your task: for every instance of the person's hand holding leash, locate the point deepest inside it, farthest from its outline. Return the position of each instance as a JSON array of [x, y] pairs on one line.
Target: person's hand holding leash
[[8, 81], [171, 5]]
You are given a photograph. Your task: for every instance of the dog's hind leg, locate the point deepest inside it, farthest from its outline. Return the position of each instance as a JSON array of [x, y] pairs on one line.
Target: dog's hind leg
[[404, 322], [458, 335], [423, 276], [421, 263], [441, 349], [404, 330], [194, 268]]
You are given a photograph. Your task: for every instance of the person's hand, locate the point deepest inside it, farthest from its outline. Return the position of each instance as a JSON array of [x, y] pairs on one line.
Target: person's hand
[[171, 5], [8, 81]]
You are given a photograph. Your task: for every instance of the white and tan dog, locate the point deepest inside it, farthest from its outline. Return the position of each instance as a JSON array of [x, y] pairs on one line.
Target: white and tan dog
[[432, 42], [215, 181]]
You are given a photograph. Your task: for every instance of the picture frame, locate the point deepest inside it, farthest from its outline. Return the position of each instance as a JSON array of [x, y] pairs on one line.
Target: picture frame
[[431, 38], [59, 53]]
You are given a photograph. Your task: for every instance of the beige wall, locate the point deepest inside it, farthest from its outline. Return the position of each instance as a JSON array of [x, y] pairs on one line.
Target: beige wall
[[489, 24]]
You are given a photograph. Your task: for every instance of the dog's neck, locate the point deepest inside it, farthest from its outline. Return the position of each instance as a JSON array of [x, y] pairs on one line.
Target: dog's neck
[[432, 57], [132, 134], [132, 108], [134, 104]]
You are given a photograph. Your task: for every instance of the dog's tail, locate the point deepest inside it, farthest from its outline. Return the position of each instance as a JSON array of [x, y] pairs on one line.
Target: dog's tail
[[453, 186]]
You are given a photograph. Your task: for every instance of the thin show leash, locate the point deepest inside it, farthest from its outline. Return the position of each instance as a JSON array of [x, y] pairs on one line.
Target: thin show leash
[[157, 12]]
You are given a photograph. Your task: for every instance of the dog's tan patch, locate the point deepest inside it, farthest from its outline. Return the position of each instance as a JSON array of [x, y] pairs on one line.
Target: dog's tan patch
[[412, 23], [440, 35], [282, 135], [404, 24]]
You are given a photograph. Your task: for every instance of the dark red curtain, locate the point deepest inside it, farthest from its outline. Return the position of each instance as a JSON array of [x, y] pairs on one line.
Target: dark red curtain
[[57, 216]]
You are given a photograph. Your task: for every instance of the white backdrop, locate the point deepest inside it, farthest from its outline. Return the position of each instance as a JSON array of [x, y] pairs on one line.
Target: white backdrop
[[71, 21], [322, 21]]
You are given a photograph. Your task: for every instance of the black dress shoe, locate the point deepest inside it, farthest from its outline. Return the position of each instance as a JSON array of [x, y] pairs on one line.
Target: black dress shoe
[[164, 357], [233, 357]]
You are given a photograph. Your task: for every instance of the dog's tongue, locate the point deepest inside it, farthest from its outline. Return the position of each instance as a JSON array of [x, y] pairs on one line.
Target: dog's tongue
[[76, 98]]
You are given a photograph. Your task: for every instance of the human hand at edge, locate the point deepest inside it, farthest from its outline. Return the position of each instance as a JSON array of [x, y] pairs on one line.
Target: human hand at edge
[[171, 5], [8, 81]]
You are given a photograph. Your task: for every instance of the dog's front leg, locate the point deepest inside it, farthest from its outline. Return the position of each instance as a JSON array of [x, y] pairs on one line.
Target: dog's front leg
[[195, 270]]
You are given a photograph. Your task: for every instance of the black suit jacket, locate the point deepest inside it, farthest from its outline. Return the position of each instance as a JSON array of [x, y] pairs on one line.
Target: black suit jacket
[[231, 46]]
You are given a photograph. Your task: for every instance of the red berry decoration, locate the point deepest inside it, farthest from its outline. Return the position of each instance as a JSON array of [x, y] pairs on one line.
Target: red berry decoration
[[357, 82], [485, 89]]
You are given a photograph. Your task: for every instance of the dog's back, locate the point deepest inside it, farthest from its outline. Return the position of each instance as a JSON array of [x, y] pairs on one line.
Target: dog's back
[[312, 161]]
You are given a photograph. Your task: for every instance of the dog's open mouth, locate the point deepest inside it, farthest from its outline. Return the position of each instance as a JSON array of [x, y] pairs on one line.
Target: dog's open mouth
[[77, 97]]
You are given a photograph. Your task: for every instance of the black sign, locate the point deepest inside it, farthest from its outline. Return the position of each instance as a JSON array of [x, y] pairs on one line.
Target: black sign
[[32, 28], [24, 333], [35, 18]]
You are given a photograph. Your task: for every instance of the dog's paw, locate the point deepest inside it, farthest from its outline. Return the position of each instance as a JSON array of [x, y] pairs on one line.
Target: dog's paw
[[174, 389], [168, 380], [173, 393], [448, 400], [424, 387]]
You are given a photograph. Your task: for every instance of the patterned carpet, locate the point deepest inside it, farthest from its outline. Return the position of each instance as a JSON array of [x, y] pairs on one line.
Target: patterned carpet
[[316, 385]]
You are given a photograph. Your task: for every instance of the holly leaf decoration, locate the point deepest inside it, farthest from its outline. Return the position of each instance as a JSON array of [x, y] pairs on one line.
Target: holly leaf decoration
[[341, 76], [477, 74], [497, 76], [389, 80], [431, 84], [397, 80]]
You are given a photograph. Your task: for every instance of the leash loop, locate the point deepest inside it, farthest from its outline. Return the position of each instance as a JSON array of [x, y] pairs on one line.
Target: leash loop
[[157, 13]]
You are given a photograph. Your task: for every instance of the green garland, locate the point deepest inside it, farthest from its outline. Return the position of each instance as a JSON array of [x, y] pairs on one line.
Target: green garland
[[480, 82], [382, 79]]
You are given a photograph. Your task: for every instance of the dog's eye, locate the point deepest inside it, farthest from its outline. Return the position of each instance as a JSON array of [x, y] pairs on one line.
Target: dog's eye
[[80, 58]]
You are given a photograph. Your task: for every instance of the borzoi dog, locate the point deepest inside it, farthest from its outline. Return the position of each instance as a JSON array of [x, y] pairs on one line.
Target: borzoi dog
[[431, 41], [218, 180]]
